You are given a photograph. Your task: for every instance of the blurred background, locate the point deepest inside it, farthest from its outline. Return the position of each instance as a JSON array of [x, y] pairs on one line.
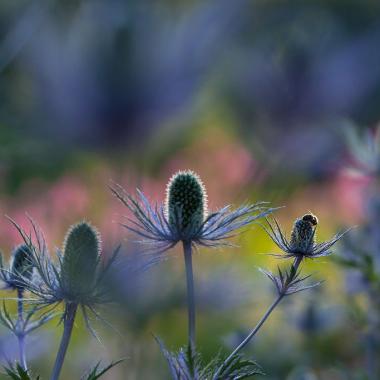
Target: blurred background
[[265, 100]]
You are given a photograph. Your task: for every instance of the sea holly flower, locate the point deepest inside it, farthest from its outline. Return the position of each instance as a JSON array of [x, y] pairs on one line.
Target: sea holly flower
[[81, 257], [302, 243], [184, 216], [20, 268], [78, 274], [77, 279], [15, 277]]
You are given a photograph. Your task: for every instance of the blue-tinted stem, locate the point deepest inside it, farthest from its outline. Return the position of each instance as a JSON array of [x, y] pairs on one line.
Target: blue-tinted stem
[[249, 337], [187, 250], [20, 333], [70, 311]]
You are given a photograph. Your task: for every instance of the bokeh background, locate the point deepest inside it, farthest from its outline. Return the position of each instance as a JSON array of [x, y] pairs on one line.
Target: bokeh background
[[266, 100]]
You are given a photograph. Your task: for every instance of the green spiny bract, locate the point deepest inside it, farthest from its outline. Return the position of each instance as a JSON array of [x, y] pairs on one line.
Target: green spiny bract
[[21, 265], [186, 201], [303, 233], [81, 253]]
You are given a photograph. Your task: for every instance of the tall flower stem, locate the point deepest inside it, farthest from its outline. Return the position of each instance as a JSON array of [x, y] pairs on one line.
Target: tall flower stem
[[187, 250], [266, 315], [70, 311], [20, 332]]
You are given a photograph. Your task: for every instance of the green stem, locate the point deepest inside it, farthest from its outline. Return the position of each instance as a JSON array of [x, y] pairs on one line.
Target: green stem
[[187, 250], [69, 317], [20, 332]]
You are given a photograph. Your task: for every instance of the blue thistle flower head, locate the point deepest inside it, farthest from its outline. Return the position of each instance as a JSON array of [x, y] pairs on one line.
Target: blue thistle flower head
[[302, 243], [303, 233], [20, 269], [81, 254], [184, 216], [186, 202], [77, 276]]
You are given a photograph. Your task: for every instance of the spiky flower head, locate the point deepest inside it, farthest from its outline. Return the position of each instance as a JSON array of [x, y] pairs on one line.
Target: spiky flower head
[[303, 233], [302, 241], [186, 201], [19, 271], [79, 277], [184, 217], [81, 253], [21, 265]]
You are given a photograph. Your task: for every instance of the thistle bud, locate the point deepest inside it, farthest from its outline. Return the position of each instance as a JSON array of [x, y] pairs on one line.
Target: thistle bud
[[81, 251], [21, 265], [186, 201], [303, 233]]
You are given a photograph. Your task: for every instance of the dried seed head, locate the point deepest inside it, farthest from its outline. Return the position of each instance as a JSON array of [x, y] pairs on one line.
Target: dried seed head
[[81, 251], [186, 201], [21, 264], [303, 233]]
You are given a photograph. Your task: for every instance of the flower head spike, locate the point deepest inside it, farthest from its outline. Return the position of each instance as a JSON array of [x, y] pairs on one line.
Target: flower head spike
[[184, 216], [77, 276], [20, 268], [186, 202], [81, 254], [302, 241]]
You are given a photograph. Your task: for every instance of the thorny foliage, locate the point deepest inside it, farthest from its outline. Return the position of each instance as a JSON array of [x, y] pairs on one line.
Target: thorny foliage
[[186, 364]]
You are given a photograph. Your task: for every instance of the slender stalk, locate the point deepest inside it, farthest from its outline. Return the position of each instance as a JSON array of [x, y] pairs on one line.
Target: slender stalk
[[187, 250], [20, 332], [70, 311], [248, 338]]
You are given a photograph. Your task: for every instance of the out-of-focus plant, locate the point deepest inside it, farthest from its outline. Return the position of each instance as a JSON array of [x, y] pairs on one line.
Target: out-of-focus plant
[[77, 280], [360, 253], [365, 150], [13, 277]]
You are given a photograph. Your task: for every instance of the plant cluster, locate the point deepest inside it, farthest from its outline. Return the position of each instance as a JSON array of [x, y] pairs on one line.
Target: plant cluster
[[184, 219], [78, 276]]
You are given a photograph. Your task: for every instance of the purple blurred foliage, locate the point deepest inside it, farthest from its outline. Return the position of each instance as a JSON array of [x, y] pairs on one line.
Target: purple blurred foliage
[[36, 346], [222, 290], [317, 317], [146, 292], [303, 62], [107, 71]]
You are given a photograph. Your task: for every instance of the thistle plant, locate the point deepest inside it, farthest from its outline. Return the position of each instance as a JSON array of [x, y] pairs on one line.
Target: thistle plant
[[302, 245], [360, 250], [77, 279], [13, 277], [184, 218]]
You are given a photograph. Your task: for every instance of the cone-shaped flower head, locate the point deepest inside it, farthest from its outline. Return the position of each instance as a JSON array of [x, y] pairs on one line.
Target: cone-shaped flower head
[[79, 276], [184, 215], [21, 268], [303, 233], [186, 202], [302, 241], [81, 253]]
